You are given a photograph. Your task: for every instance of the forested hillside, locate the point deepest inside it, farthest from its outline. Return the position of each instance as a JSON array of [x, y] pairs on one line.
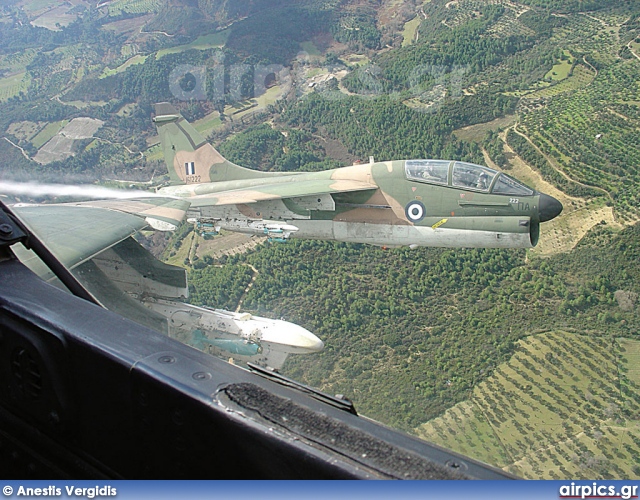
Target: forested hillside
[[408, 332], [546, 89]]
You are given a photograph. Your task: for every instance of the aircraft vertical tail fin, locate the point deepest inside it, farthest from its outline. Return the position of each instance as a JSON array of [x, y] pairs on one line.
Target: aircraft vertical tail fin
[[190, 158]]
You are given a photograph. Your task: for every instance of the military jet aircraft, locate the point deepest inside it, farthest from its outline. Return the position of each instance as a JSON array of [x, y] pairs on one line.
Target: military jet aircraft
[[93, 240], [439, 203]]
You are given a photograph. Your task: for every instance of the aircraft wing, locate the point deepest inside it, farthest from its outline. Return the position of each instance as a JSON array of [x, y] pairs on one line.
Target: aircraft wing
[[279, 190], [160, 213], [76, 232]]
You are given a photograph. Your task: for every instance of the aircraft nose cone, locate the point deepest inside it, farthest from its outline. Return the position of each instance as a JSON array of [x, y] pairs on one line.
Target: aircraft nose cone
[[549, 207]]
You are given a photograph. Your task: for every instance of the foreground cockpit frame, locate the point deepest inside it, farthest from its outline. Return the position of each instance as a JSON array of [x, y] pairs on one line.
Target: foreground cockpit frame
[[85, 393]]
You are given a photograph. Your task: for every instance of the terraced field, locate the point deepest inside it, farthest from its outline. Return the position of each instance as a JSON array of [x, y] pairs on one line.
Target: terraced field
[[580, 77], [556, 410], [133, 6], [16, 80], [12, 85], [587, 124], [592, 134]]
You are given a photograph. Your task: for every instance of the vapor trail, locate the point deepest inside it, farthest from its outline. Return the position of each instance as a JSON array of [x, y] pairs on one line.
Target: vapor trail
[[82, 191]]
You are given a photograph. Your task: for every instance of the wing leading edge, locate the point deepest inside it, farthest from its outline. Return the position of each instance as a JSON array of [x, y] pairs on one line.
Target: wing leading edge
[[75, 233], [279, 191]]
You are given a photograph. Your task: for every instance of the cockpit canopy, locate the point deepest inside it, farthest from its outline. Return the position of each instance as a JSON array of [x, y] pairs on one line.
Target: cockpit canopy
[[464, 175]]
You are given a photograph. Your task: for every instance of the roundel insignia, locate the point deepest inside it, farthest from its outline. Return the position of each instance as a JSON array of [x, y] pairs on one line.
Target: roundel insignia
[[415, 211]]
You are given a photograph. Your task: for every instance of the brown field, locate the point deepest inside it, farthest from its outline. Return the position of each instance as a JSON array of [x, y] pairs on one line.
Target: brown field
[[25, 130], [81, 128], [55, 19], [126, 26], [226, 243], [58, 148], [475, 133]]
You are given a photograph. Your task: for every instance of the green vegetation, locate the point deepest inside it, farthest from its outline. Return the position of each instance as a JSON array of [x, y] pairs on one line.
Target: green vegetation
[[438, 322], [393, 130], [532, 156], [568, 6], [562, 69], [219, 287], [13, 85], [310, 48], [47, 133], [592, 135], [579, 77], [553, 411], [477, 133], [137, 59], [275, 35], [409, 32], [208, 124], [411, 336], [204, 42], [120, 7], [459, 41], [358, 30], [265, 148]]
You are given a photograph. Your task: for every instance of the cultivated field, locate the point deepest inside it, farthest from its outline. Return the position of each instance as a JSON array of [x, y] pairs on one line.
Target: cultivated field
[[137, 59], [81, 128], [132, 6], [592, 136], [47, 133], [410, 30], [57, 148], [580, 77], [208, 124], [204, 42], [476, 133], [562, 69], [310, 48], [12, 85], [60, 144], [128, 25], [554, 411], [55, 19], [226, 243]]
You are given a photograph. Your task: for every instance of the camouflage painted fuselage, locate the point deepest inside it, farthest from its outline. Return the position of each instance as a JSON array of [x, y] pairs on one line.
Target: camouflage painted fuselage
[[393, 203], [452, 217]]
